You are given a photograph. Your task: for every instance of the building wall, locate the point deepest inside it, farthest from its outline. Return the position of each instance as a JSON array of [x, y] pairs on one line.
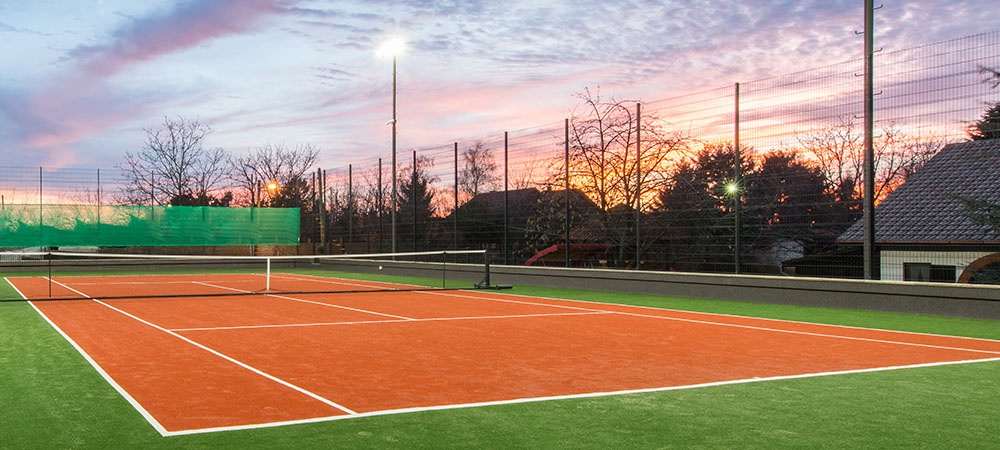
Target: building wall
[[892, 261]]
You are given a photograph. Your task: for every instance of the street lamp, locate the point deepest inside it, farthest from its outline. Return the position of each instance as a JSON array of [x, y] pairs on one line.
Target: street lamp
[[392, 48], [733, 189]]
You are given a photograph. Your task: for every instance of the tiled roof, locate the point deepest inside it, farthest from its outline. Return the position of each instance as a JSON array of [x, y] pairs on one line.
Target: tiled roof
[[925, 210]]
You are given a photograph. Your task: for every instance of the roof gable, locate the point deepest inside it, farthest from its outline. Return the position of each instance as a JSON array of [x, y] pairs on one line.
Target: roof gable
[[926, 210]]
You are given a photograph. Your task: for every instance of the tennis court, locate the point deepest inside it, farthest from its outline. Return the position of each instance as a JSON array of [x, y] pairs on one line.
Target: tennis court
[[199, 362]]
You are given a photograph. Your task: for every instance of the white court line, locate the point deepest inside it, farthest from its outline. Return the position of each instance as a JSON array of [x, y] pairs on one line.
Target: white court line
[[370, 322], [232, 360], [341, 281], [150, 275], [751, 327], [100, 371], [329, 305], [572, 397], [679, 319], [214, 352], [763, 319]]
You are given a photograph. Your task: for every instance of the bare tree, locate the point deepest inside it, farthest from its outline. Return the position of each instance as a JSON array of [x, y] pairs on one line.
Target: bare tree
[[604, 162], [271, 162], [838, 149], [992, 75], [600, 135], [479, 171], [528, 174], [174, 166]]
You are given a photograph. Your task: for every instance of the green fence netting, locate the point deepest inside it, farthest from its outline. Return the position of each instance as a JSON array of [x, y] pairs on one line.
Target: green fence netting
[[23, 225]]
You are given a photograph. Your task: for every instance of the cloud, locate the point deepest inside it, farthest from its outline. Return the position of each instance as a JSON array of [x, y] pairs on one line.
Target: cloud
[[82, 101], [184, 27]]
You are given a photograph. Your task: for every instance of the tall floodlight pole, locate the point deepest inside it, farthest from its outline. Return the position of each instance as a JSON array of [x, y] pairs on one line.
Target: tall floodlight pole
[[871, 271], [392, 48]]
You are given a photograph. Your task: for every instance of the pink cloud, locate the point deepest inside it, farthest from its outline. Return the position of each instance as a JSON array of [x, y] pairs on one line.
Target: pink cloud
[[183, 28], [78, 103]]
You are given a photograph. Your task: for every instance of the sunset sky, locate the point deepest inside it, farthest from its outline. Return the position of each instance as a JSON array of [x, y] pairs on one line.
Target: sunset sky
[[81, 79]]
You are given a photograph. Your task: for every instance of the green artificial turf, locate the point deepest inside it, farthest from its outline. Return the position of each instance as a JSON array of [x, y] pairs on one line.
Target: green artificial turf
[[52, 398]]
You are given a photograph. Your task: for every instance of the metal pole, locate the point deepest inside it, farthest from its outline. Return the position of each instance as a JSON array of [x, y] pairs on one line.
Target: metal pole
[[322, 209], [413, 193], [381, 206], [737, 192], [41, 217], [638, 184], [566, 163], [456, 197], [393, 211], [506, 198], [98, 206], [350, 207], [871, 272]]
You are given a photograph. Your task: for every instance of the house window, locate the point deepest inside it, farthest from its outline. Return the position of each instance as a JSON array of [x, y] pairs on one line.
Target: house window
[[928, 272]]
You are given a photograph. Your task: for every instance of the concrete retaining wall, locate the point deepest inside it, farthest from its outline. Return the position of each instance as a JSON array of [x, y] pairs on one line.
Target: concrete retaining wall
[[972, 301]]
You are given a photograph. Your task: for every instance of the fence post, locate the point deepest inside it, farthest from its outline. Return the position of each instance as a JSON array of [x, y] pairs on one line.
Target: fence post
[[413, 193], [506, 198], [871, 272], [350, 207], [566, 162], [738, 190], [380, 206], [638, 184]]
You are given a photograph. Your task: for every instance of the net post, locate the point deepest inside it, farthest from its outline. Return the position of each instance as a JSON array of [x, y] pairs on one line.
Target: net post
[[49, 257], [485, 283], [267, 275]]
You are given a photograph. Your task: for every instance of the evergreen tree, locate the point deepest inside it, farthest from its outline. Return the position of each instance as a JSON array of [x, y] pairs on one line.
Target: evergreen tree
[[988, 125], [416, 204]]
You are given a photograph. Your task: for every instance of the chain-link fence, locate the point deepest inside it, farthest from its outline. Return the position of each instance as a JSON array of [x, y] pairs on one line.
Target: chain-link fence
[[754, 177]]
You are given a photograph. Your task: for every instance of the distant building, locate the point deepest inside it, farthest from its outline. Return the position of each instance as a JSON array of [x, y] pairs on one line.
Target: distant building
[[530, 213], [924, 231]]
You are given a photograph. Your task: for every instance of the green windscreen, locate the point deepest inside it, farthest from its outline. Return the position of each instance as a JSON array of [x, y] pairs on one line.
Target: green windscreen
[[111, 225]]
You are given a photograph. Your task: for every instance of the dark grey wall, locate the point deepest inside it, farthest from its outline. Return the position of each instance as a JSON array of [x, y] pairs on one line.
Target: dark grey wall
[[973, 301], [957, 300]]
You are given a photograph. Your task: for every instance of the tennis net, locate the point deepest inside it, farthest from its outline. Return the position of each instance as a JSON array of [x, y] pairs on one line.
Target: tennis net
[[67, 276]]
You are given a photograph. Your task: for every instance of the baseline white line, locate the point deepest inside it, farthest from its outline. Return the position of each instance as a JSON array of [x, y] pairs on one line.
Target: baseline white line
[[301, 300], [753, 327], [368, 322], [575, 396]]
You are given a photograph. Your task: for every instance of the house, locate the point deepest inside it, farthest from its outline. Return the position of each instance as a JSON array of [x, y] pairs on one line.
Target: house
[[531, 214], [923, 230]]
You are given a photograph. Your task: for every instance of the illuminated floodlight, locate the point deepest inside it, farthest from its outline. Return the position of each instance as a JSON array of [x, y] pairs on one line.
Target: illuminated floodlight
[[391, 48], [732, 188]]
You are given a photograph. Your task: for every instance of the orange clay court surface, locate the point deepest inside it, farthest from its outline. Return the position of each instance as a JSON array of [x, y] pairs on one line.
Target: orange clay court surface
[[192, 365]]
